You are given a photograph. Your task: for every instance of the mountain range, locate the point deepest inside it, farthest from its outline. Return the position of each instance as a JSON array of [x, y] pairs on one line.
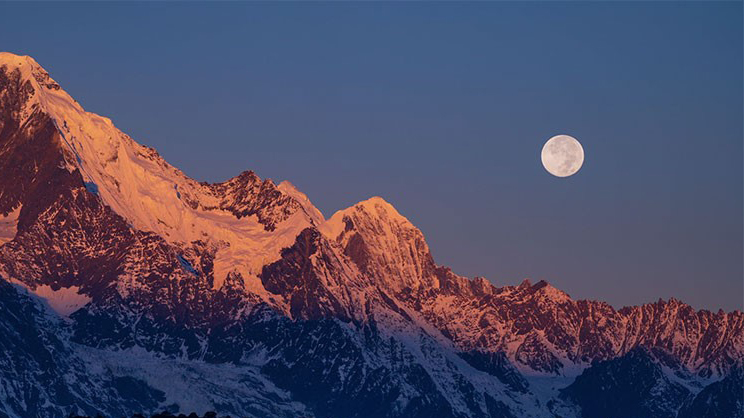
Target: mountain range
[[127, 287]]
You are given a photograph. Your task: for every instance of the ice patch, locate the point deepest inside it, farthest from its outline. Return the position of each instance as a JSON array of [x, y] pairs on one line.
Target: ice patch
[[92, 187], [63, 301], [186, 265], [9, 225]]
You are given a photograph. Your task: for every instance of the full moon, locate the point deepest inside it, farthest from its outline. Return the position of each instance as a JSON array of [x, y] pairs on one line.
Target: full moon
[[562, 155]]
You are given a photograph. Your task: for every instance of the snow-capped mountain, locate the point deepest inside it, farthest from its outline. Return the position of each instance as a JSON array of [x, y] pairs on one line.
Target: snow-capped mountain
[[128, 287]]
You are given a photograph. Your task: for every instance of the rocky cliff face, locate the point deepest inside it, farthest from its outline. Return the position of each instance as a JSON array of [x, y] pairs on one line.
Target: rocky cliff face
[[147, 290]]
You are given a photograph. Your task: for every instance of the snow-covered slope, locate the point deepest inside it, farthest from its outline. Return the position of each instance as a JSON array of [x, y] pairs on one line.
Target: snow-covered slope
[[243, 285], [250, 220]]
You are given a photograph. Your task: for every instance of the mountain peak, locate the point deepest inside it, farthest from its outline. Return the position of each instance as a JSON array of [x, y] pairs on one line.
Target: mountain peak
[[547, 290], [289, 189], [380, 206], [375, 200], [383, 244], [373, 208], [13, 60], [29, 69]]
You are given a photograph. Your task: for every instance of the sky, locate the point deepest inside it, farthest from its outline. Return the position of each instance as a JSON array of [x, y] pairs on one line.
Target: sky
[[442, 109]]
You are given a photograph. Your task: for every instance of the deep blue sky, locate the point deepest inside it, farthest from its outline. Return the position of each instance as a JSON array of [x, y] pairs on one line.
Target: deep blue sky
[[442, 109]]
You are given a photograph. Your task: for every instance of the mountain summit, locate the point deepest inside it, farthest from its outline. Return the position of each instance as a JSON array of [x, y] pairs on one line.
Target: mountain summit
[[127, 287]]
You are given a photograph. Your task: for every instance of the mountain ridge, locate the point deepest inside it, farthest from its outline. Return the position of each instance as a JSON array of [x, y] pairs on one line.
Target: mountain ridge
[[246, 272]]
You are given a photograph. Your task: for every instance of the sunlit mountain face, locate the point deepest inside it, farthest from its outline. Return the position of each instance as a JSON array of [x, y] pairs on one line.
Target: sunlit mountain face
[[129, 288]]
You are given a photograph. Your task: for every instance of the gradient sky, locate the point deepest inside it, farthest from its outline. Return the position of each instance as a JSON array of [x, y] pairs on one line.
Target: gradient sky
[[442, 109]]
